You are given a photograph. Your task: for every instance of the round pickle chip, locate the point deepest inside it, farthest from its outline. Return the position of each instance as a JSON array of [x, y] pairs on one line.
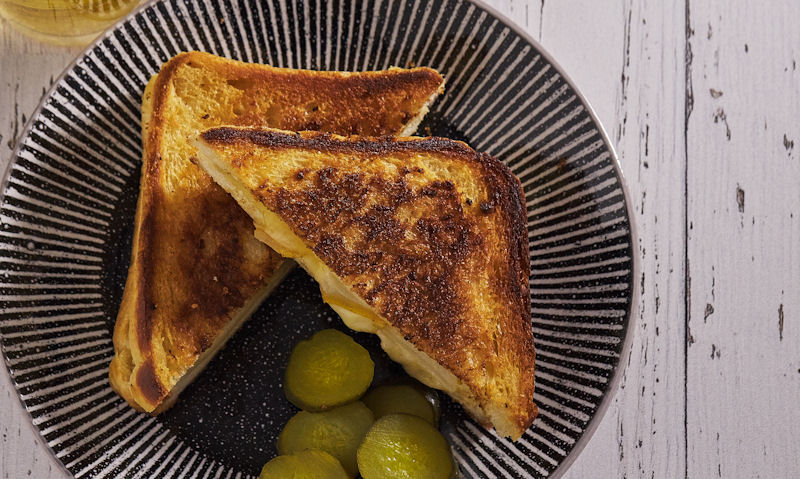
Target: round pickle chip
[[304, 465], [328, 370], [338, 431], [403, 399], [402, 446]]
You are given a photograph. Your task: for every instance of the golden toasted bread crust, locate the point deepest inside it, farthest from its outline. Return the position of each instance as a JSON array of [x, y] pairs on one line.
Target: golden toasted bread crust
[[429, 233], [195, 263], [363, 103]]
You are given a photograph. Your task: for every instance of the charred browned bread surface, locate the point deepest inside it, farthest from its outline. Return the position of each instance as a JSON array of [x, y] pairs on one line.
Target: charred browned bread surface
[[429, 235], [196, 268]]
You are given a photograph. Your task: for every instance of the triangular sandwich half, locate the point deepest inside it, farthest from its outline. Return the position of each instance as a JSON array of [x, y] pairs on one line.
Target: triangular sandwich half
[[422, 241], [196, 270]]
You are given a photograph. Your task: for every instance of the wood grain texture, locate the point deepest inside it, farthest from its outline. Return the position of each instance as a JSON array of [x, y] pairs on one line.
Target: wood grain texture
[[627, 58], [743, 142]]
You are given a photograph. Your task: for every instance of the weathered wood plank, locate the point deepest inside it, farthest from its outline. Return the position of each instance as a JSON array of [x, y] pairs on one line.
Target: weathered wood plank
[[628, 59], [744, 236]]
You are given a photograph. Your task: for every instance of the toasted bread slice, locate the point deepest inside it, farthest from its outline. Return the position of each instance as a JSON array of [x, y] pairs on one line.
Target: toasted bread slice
[[419, 240], [196, 270]]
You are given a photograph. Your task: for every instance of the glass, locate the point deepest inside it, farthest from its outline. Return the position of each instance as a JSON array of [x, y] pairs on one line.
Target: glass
[[64, 22]]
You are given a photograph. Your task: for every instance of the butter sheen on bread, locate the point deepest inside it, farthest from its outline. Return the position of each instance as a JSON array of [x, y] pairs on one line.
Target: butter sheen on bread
[[196, 270], [421, 241]]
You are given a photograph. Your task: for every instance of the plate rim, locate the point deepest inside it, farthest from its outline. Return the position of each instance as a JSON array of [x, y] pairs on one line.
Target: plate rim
[[630, 321], [630, 324], [4, 189]]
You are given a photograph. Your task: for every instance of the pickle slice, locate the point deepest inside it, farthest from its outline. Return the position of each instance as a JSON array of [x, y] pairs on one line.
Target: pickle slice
[[338, 431], [403, 446], [403, 399], [304, 465], [328, 370]]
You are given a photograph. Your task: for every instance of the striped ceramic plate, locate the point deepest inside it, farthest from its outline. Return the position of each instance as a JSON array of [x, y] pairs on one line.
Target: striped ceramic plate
[[70, 194]]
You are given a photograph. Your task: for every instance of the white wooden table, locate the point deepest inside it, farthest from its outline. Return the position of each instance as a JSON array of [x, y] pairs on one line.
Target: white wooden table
[[702, 100]]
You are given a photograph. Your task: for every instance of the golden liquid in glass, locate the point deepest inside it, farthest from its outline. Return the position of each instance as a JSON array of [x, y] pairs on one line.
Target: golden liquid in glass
[[64, 22]]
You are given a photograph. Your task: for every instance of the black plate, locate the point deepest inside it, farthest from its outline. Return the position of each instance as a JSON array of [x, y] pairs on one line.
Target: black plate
[[67, 217]]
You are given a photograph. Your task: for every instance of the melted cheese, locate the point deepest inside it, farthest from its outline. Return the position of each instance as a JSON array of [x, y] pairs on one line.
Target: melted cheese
[[358, 316], [353, 310]]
